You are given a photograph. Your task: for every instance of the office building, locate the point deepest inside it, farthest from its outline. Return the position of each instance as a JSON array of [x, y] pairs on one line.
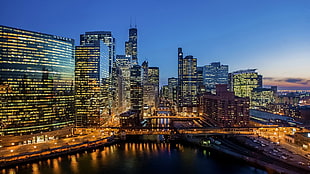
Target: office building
[[87, 85], [136, 90], [262, 97], [153, 75], [224, 109], [131, 46], [201, 89], [93, 74], [187, 76], [180, 76], [106, 42], [123, 62], [36, 81], [95, 38], [242, 82], [173, 86], [213, 74], [117, 91], [164, 92]]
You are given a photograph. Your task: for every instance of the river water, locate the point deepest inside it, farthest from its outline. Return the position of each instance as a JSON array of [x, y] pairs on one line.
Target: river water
[[140, 158]]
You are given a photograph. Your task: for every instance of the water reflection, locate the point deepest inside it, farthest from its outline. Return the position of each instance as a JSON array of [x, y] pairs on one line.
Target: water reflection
[[74, 164], [35, 168], [55, 164], [139, 158]]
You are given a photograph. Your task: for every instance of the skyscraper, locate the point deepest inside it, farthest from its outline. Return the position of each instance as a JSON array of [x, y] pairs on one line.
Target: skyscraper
[[187, 72], [94, 63], [213, 74], [131, 46], [36, 78], [87, 85], [200, 87], [187, 83], [173, 85], [242, 82], [180, 76], [94, 38], [154, 81], [136, 90], [124, 64]]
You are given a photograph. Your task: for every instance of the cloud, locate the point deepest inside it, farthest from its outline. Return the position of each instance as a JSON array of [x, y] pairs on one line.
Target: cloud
[[294, 80], [298, 83], [268, 78]]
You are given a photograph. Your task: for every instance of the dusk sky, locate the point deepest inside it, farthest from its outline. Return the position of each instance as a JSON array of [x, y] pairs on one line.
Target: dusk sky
[[270, 35]]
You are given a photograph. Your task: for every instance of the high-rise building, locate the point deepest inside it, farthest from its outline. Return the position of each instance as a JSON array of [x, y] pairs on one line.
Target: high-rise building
[[188, 82], [104, 41], [117, 91], [87, 85], [164, 92], [136, 90], [150, 83], [154, 81], [213, 74], [242, 82], [36, 79], [131, 46], [153, 91], [124, 64], [224, 109], [180, 76], [172, 85], [200, 86], [95, 38]]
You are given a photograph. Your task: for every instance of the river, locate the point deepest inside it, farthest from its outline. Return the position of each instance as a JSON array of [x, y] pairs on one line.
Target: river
[[140, 158]]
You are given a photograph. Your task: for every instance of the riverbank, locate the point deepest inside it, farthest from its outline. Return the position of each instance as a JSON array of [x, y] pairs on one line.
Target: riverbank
[[251, 155], [29, 157], [258, 160]]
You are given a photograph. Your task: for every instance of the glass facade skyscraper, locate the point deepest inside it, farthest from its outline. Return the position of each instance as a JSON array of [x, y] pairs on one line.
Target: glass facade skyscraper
[[213, 74], [94, 66], [36, 81], [95, 38]]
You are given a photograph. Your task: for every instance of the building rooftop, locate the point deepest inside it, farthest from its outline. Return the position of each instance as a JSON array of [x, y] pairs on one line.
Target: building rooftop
[[245, 71]]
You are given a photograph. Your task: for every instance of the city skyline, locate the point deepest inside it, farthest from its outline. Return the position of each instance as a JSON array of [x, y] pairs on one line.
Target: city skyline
[[271, 36]]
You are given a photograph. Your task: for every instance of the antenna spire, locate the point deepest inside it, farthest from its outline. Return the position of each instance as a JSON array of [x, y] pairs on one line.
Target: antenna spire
[[135, 22]]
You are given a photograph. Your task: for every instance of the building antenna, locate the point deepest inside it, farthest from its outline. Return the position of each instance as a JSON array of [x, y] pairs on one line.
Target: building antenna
[[130, 22], [135, 22]]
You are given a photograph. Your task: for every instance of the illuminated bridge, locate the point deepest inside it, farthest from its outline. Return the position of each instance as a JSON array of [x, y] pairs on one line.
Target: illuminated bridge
[[197, 131]]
